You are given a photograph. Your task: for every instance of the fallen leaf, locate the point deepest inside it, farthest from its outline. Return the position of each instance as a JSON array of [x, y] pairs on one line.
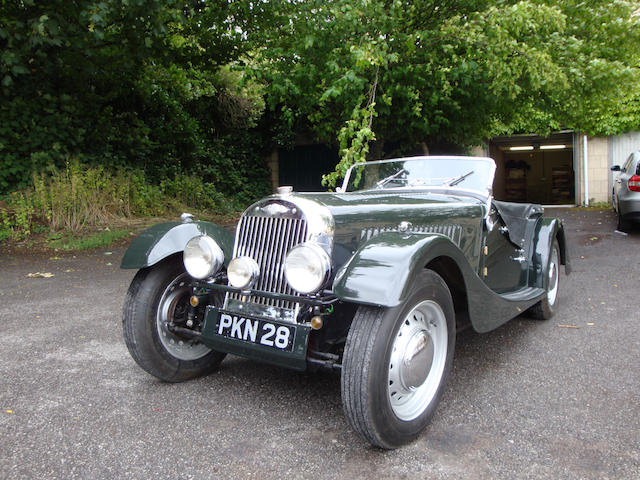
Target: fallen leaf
[[40, 275], [109, 264], [593, 238], [568, 326], [108, 253], [9, 411], [55, 258], [591, 324]]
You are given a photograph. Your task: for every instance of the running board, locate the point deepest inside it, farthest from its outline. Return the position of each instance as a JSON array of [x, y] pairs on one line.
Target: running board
[[523, 295]]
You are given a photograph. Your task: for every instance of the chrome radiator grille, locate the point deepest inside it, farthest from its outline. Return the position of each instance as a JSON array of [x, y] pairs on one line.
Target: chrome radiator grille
[[268, 240]]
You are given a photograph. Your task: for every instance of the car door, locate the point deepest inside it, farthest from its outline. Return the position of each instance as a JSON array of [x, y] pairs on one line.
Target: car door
[[504, 263]]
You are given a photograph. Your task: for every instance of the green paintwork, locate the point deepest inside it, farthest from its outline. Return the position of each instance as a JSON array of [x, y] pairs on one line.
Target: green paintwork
[[547, 230], [384, 268], [296, 359], [380, 272], [504, 273], [375, 263], [160, 241], [357, 215]]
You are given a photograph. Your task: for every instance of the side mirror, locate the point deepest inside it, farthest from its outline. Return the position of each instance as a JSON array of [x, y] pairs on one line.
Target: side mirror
[[615, 168]]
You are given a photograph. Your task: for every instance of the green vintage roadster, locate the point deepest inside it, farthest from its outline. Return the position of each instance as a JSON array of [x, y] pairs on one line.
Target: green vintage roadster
[[373, 280]]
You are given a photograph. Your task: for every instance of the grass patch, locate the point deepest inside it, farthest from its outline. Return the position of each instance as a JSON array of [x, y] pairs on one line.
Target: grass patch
[[595, 206], [97, 240], [80, 199]]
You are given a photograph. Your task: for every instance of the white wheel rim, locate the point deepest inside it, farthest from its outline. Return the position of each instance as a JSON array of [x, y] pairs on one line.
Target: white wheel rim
[[552, 290], [417, 360], [171, 301]]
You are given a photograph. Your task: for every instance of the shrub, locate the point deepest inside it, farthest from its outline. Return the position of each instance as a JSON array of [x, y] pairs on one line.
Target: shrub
[[79, 197]]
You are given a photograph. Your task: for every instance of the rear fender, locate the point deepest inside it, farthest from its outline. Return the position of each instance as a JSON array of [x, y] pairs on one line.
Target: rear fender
[[165, 239], [547, 230]]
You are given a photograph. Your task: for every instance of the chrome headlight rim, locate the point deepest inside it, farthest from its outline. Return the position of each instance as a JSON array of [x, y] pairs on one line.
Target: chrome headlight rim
[[243, 272], [202, 257], [317, 258]]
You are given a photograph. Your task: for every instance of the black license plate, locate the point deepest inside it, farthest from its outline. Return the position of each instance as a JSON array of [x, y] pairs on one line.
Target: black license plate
[[253, 330]]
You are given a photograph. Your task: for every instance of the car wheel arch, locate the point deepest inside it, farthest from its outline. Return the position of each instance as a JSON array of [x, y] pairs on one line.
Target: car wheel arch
[[163, 240], [447, 268]]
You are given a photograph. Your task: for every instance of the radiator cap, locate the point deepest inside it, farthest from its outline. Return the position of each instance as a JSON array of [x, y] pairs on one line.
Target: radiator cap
[[285, 190]]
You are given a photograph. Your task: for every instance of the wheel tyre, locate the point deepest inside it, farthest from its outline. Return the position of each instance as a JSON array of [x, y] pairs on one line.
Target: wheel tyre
[[153, 292], [390, 407], [545, 308], [623, 225]]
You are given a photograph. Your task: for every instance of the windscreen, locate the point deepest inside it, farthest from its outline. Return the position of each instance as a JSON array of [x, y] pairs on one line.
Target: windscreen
[[438, 173]]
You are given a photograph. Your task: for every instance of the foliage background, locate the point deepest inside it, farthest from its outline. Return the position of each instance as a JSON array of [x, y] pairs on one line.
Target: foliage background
[[127, 84], [190, 96]]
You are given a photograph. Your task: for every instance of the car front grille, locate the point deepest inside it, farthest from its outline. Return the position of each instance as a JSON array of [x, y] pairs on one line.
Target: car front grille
[[268, 240]]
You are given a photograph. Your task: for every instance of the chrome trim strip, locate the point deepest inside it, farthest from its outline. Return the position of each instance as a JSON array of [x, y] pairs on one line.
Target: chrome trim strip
[[453, 232]]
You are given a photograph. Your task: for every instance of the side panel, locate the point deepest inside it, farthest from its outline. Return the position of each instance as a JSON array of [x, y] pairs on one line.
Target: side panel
[[164, 239], [504, 272], [381, 272]]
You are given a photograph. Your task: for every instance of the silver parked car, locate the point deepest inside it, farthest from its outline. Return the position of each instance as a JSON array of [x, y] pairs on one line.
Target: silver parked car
[[626, 191]]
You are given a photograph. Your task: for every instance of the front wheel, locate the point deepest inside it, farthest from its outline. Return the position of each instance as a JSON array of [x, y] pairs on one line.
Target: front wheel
[[396, 362], [158, 297]]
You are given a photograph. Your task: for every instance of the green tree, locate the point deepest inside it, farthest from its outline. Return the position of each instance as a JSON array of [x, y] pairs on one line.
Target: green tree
[[137, 83], [445, 72]]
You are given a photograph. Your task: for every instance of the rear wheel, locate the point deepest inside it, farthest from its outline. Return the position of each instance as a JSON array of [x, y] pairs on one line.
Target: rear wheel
[[396, 363], [623, 225], [545, 308], [158, 297]]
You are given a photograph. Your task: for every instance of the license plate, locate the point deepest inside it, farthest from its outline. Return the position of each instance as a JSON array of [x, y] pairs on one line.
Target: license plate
[[253, 330]]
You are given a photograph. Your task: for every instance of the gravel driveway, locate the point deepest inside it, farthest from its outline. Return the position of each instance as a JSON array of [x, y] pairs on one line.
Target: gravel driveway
[[555, 399]]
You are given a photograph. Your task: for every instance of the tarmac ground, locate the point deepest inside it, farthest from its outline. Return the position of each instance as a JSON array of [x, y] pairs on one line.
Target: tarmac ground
[[530, 400]]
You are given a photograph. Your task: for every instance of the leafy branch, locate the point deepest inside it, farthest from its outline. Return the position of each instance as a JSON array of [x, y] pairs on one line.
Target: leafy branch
[[355, 135]]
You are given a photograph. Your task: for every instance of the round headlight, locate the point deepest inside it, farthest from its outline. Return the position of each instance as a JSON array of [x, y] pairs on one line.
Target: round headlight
[[307, 267], [243, 272], [202, 257]]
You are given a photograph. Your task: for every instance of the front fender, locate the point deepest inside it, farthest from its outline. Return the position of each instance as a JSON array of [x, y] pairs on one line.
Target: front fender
[[158, 242], [380, 273], [383, 270]]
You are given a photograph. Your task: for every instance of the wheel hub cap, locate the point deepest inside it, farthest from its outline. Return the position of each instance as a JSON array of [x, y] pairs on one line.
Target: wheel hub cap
[[552, 291], [173, 304], [417, 360]]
